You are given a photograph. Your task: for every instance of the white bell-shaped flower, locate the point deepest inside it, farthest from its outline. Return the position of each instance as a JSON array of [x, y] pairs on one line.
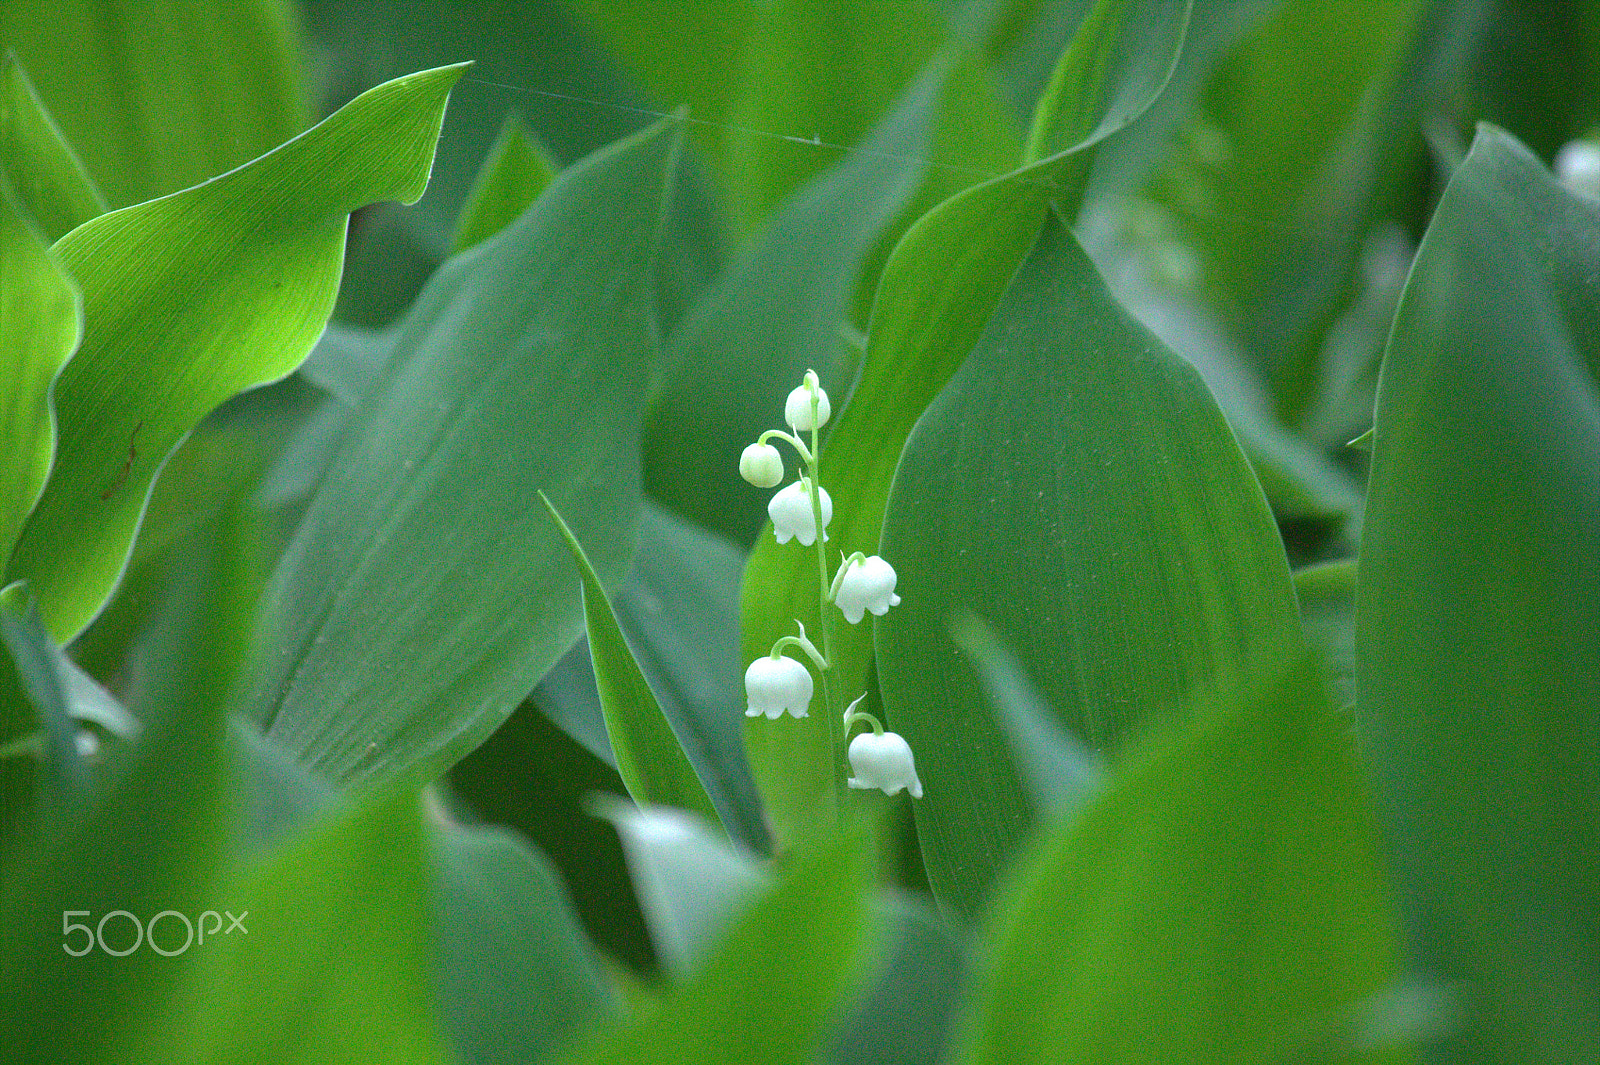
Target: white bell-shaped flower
[[790, 511], [867, 584], [883, 762], [773, 685], [1577, 166], [761, 465], [797, 408]]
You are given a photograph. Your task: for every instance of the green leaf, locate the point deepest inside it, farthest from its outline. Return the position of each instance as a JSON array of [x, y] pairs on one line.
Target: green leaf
[[771, 315], [40, 322], [425, 592], [1477, 668], [333, 962], [648, 756], [1076, 485], [516, 171], [1221, 901], [1123, 53], [157, 97], [499, 899], [766, 993], [679, 610], [49, 182], [1052, 764], [192, 298], [149, 839]]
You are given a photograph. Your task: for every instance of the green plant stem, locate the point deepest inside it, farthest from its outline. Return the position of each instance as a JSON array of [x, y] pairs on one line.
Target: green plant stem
[[824, 598]]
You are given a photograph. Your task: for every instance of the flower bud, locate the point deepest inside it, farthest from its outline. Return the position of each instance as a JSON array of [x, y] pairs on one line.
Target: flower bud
[[797, 408], [790, 511], [761, 465], [866, 585], [773, 685], [883, 762]]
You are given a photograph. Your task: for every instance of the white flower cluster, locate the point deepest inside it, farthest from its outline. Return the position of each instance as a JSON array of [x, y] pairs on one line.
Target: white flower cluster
[[776, 684]]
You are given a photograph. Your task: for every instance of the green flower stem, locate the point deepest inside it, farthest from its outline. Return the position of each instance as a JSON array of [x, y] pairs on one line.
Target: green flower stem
[[852, 715], [806, 454], [803, 643], [824, 599]]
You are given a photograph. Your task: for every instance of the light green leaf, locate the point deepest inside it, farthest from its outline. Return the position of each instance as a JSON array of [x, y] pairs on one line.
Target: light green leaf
[[1477, 667], [192, 298], [935, 295], [1222, 901], [648, 756], [1076, 485], [516, 171], [1327, 597], [333, 962], [46, 177], [771, 315], [40, 322], [767, 992], [159, 96], [516, 975], [425, 591]]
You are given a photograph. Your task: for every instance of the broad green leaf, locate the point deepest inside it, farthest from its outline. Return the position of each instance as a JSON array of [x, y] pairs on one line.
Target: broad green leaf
[[45, 175], [774, 313], [40, 322], [513, 175], [148, 840], [1052, 764], [1221, 901], [937, 291], [1477, 668], [679, 610], [333, 961], [648, 756], [192, 298], [425, 591], [516, 976], [157, 97], [1074, 484], [767, 992]]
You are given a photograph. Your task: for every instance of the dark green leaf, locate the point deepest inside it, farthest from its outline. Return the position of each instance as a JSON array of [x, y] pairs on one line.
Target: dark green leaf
[[1076, 485], [648, 756], [1222, 901], [517, 976], [1478, 670], [426, 592], [192, 298]]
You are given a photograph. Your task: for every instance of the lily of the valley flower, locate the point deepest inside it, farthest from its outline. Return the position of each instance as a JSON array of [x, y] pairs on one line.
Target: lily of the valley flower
[[883, 762], [761, 465], [1577, 166], [798, 408], [790, 511], [865, 583], [773, 685]]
